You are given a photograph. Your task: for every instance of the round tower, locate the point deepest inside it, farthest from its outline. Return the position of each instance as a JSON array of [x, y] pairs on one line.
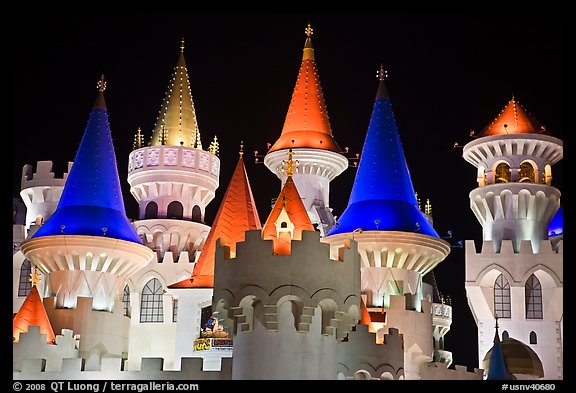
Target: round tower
[[286, 302], [396, 241], [173, 179], [515, 199], [41, 191], [88, 248], [517, 276], [308, 133]]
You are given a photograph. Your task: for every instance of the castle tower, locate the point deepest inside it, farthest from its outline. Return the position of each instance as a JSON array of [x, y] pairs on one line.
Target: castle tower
[[41, 192], [173, 179], [237, 213], [308, 133], [284, 300], [518, 275], [88, 248], [397, 244]]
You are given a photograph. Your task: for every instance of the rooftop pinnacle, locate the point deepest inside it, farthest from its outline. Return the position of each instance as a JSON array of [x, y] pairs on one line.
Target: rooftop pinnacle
[[307, 124]]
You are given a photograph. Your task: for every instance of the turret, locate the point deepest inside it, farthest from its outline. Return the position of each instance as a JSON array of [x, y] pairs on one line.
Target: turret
[[396, 241], [88, 248], [173, 179], [308, 133], [517, 276]]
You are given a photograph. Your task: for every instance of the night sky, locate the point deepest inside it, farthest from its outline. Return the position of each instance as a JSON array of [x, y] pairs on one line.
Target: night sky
[[448, 74]]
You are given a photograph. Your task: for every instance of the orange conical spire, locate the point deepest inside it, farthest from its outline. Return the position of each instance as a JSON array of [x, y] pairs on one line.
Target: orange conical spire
[[288, 217], [513, 120], [307, 123], [365, 318], [33, 313], [237, 214]]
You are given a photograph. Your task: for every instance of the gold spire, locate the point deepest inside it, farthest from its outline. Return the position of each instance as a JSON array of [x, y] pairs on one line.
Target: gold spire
[[428, 207], [35, 276], [241, 153], [138, 140], [182, 45], [308, 48], [291, 165]]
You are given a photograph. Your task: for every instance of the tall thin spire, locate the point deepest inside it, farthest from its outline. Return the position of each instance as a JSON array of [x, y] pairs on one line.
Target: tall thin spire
[[383, 196], [177, 115], [91, 202], [307, 124], [497, 368], [237, 213]]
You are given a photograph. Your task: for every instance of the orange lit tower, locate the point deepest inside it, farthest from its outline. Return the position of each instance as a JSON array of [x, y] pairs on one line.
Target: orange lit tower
[[517, 276], [308, 133]]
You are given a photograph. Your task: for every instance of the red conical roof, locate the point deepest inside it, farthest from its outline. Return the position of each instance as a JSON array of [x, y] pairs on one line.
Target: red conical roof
[[237, 214], [307, 123], [290, 204], [32, 313], [513, 120]]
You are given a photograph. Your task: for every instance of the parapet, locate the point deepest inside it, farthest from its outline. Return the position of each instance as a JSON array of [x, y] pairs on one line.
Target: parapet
[[489, 248], [113, 369], [439, 371], [360, 353], [43, 175], [307, 276]]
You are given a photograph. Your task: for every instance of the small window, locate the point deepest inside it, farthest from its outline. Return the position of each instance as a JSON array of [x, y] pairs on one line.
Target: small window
[[503, 174], [533, 298], [283, 224], [25, 284], [151, 211], [505, 335], [526, 173], [175, 210], [533, 338], [126, 301], [152, 309], [196, 214], [502, 297]]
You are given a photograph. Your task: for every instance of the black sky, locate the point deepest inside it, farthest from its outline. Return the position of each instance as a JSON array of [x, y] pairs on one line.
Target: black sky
[[448, 74]]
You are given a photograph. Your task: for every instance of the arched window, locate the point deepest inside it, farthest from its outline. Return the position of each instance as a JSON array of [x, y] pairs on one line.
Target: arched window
[[526, 173], [533, 297], [126, 300], [151, 210], [175, 210], [502, 297], [503, 174], [25, 284], [533, 338], [505, 335], [151, 309], [196, 214]]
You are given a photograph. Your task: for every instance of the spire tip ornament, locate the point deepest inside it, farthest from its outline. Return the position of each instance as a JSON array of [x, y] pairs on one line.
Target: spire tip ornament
[[309, 30], [241, 152], [291, 165], [381, 74], [182, 45], [35, 276], [101, 85]]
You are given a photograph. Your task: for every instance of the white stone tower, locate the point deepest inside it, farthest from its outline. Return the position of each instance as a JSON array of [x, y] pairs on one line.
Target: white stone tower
[[518, 274], [396, 241], [88, 248], [308, 133], [173, 179]]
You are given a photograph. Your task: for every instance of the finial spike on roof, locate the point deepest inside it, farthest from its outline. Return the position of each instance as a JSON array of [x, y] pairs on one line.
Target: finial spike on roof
[[101, 84], [241, 152], [309, 30], [182, 45], [382, 73], [291, 165], [35, 276]]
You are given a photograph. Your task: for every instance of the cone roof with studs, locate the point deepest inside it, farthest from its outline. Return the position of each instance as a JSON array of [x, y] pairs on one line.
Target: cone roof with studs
[[383, 196], [32, 313], [91, 203], [513, 119], [237, 214], [288, 207], [177, 117], [307, 124]]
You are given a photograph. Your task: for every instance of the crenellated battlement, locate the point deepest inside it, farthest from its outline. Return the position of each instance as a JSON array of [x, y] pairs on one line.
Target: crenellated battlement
[[506, 249], [360, 353], [308, 276], [114, 369], [32, 347], [440, 371], [43, 177]]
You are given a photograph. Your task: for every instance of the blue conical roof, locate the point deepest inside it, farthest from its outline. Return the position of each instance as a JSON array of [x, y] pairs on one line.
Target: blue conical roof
[[383, 197], [91, 202]]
